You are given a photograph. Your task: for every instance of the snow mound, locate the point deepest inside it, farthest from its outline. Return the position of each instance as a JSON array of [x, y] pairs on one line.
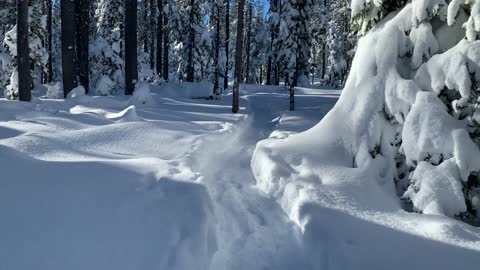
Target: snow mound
[[142, 94], [55, 91], [85, 219], [340, 181], [78, 91], [127, 115]]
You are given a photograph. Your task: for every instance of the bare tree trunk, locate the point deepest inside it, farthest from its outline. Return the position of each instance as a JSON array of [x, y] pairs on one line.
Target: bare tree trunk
[[131, 65], [23, 52], [261, 75], [49, 41], [249, 41], [166, 46], [191, 41], [145, 26], [82, 39], [153, 14], [216, 91], [159, 37], [227, 39], [238, 58], [68, 45]]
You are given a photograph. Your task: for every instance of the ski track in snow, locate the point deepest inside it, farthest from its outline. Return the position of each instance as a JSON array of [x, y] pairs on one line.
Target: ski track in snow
[[169, 184]]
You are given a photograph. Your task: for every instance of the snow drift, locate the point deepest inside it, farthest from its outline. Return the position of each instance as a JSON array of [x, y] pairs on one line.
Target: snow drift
[[390, 134]]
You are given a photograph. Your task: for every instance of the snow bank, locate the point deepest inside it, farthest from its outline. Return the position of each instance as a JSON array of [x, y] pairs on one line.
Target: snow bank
[[142, 95], [55, 91], [78, 91], [339, 180]]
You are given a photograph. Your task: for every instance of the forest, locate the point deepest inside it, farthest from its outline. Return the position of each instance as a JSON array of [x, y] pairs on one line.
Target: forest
[[239, 134], [107, 46]]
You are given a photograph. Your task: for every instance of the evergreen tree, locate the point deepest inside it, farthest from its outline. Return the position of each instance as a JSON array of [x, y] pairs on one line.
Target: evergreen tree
[[106, 55], [24, 77], [68, 46], [82, 11], [338, 44], [131, 63], [238, 57]]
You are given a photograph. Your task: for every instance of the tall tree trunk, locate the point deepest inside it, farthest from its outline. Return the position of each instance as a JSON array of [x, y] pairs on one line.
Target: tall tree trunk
[[68, 45], [249, 41], [82, 39], [191, 41], [160, 37], [227, 39], [153, 14], [216, 91], [324, 59], [49, 41], [166, 46], [238, 58], [145, 26], [131, 65], [260, 81], [23, 52]]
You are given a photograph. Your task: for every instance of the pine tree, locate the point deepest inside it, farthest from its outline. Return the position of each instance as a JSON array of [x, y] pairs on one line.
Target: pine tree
[[131, 63], [106, 58], [82, 12], [7, 22], [24, 77], [68, 46], [338, 44], [227, 41], [238, 57], [160, 39]]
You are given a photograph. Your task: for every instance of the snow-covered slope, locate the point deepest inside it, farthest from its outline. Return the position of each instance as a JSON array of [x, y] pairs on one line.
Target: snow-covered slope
[[336, 180]]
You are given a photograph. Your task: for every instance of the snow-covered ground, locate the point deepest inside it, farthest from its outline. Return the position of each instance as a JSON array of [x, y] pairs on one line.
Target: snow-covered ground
[[163, 181], [157, 181]]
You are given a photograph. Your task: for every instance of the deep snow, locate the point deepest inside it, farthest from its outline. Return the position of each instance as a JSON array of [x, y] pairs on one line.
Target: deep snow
[[155, 181]]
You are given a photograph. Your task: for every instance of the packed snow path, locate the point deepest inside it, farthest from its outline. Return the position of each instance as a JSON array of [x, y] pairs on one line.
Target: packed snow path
[[111, 183]]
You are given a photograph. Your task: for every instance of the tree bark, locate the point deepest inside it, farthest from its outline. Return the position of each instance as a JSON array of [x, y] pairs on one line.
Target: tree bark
[[49, 41], [82, 39], [249, 33], [166, 47], [227, 39], [191, 41], [23, 52], [160, 38], [216, 91], [153, 14], [238, 58], [68, 45], [131, 65]]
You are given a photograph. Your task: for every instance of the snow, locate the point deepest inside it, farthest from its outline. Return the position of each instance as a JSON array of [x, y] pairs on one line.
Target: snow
[[97, 182], [55, 90], [76, 92], [336, 179], [440, 189]]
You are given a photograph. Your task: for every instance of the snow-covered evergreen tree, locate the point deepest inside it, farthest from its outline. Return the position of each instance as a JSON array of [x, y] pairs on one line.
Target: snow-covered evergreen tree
[[338, 45], [7, 21], [294, 38], [106, 51]]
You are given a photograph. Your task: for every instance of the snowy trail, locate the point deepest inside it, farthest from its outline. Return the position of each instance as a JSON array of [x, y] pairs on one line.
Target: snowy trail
[[169, 184], [254, 230]]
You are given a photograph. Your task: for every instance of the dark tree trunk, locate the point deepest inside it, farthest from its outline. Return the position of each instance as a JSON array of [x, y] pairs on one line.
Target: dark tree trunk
[[145, 26], [191, 43], [238, 58], [249, 33], [216, 91], [23, 52], [227, 39], [153, 14], [269, 70], [82, 8], [49, 41], [261, 75], [324, 59], [159, 37], [131, 71], [68, 45], [166, 47]]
